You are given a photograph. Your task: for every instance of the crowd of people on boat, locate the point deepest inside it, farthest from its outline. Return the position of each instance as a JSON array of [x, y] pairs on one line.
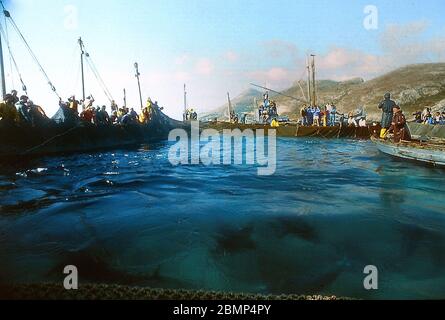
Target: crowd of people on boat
[[23, 110], [190, 115], [427, 116], [20, 109], [267, 111], [328, 116]]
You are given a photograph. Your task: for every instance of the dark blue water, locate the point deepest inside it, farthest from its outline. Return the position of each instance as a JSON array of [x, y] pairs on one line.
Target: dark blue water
[[129, 217]]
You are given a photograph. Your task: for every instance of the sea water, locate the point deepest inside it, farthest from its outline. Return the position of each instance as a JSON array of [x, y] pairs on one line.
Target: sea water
[[129, 217]]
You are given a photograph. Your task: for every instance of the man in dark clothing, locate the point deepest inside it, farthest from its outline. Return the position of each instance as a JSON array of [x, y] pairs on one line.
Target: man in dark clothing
[[387, 106], [398, 126]]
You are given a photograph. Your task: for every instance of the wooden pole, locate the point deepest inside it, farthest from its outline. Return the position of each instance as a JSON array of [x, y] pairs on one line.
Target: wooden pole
[[185, 103], [125, 98], [230, 106], [309, 95], [2, 65], [82, 53], [314, 89], [136, 66]]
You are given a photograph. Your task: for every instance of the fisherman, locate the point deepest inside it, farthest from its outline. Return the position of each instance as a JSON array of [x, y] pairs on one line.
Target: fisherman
[[425, 113], [145, 116], [266, 99], [114, 119], [134, 115], [332, 115], [273, 109], [114, 106], [428, 118], [74, 104], [418, 117], [23, 109], [243, 118], [442, 119], [14, 94], [317, 113], [351, 120], [387, 107], [362, 122], [88, 115], [398, 126], [88, 103], [437, 118], [7, 109], [303, 114], [274, 123]]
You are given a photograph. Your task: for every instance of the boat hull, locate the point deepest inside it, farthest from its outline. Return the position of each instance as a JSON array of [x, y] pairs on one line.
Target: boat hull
[[294, 130], [413, 151], [56, 138]]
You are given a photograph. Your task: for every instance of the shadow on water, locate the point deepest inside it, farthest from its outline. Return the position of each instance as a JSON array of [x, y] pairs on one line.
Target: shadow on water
[[231, 240]]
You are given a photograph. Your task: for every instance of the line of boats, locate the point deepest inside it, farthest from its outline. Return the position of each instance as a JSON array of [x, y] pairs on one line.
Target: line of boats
[[19, 140]]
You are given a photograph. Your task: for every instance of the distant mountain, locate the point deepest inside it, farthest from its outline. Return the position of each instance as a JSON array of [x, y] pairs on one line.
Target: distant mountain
[[413, 87]]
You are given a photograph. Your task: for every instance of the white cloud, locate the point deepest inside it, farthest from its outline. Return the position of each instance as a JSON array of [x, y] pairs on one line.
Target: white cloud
[[204, 66]]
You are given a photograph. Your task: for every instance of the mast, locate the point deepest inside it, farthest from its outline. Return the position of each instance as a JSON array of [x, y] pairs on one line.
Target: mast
[[314, 96], [185, 103], [230, 106], [309, 95], [82, 53], [125, 98], [136, 66], [2, 65]]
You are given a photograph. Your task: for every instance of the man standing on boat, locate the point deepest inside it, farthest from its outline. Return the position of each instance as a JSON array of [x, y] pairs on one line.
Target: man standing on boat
[[398, 126], [387, 107]]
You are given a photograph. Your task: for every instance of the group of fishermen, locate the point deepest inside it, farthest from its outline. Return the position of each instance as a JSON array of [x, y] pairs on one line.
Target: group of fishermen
[[427, 117], [267, 111], [21, 110], [393, 120], [319, 116], [328, 116], [190, 115]]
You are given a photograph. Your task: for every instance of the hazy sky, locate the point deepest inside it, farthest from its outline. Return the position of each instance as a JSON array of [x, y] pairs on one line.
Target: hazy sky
[[214, 46]]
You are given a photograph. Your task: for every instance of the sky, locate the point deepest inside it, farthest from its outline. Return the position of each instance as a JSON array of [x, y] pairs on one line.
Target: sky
[[213, 46]]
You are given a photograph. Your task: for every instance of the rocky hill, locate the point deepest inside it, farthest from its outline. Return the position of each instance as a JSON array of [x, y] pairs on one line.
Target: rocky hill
[[414, 87]]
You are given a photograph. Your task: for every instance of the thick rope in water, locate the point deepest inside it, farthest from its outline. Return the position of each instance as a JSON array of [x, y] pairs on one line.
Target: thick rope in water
[[50, 140], [52, 291]]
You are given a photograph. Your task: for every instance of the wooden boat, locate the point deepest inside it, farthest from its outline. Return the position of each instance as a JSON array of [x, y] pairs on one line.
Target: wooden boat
[[432, 152], [54, 138], [295, 130]]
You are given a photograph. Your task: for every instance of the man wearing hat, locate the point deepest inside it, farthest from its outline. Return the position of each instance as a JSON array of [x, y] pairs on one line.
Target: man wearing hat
[[398, 126], [387, 106]]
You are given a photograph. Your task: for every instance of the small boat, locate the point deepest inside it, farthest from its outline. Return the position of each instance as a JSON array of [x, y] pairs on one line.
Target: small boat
[[431, 152]]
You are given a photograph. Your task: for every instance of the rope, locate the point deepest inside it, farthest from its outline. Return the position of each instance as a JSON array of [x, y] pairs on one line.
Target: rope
[[10, 59], [50, 140], [8, 15], [11, 56], [96, 74]]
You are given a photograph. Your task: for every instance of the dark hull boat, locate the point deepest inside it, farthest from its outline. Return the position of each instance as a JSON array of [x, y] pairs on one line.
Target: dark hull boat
[[294, 130], [430, 153], [67, 137]]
